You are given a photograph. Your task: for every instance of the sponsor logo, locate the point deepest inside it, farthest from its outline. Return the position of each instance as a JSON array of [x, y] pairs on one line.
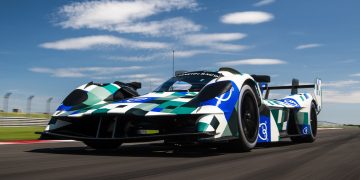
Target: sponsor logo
[[137, 100], [211, 74], [290, 102], [305, 130], [263, 135], [222, 98]]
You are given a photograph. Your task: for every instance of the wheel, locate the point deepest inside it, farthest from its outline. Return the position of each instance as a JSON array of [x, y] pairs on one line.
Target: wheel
[[102, 145], [248, 115], [313, 126]]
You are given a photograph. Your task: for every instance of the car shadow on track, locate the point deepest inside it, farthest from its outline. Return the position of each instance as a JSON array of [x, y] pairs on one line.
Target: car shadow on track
[[138, 150], [274, 144], [153, 150]]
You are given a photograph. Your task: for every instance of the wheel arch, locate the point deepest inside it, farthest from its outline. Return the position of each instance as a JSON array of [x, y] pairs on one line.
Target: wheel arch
[[254, 87], [316, 106]]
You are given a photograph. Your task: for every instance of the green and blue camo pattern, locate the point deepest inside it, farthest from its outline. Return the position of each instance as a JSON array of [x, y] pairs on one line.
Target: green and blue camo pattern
[[216, 115]]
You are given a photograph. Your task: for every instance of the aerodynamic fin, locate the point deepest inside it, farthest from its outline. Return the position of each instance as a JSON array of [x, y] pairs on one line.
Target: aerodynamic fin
[[318, 94], [294, 89]]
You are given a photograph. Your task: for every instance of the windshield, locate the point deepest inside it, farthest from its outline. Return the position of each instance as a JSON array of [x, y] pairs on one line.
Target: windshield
[[190, 81]]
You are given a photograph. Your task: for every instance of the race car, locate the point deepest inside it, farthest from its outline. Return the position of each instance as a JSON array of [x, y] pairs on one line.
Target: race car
[[226, 107]]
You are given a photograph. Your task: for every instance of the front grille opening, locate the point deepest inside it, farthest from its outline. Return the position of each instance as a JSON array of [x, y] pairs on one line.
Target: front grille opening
[[106, 128], [122, 127]]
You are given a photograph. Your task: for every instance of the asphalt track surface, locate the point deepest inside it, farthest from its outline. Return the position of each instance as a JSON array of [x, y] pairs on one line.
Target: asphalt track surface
[[334, 155]]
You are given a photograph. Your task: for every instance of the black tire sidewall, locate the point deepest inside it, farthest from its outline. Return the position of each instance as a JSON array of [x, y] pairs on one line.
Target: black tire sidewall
[[310, 137], [313, 110], [246, 145]]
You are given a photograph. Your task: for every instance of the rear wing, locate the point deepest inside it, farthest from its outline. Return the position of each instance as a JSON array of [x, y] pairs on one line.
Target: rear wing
[[294, 90]]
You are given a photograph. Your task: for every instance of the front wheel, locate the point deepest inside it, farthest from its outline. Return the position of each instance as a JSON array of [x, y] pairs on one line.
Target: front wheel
[[102, 145], [248, 122]]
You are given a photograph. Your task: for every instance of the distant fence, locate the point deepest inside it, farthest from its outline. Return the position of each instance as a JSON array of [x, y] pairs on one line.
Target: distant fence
[[23, 121]]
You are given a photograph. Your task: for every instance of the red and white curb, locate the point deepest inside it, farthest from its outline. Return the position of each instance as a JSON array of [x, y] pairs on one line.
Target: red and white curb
[[33, 141]]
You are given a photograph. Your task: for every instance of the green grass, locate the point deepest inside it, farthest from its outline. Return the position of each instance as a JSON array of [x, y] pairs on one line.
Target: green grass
[[34, 115], [352, 125], [20, 133]]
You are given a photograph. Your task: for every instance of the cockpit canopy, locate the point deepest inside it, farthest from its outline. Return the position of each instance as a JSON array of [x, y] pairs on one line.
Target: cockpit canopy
[[188, 81]]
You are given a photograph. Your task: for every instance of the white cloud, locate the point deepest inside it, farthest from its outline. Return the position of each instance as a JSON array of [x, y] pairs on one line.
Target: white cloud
[[341, 83], [307, 46], [209, 38], [264, 2], [217, 41], [148, 80], [61, 72], [89, 42], [251, 62], [83, 71], [228, 47], [160, 56], [355, 75], [352, 97], [189, 53], [247, 17], [141, 77], [128, 16], [134, 76], [82, 42], [169, 27], [126, 77], [134, 58]]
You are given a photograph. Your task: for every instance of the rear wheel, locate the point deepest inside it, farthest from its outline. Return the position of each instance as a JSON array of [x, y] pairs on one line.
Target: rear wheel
[[313, 126], [102, 145], [248, 115]]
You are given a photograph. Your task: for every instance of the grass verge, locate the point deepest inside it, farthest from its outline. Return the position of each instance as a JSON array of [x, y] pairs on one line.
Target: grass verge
[[20, 133], [32, 115]]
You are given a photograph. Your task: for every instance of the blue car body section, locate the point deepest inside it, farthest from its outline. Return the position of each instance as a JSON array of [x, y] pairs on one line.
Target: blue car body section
[[226, 102], [305, 130], [62, 107], [264, 130]]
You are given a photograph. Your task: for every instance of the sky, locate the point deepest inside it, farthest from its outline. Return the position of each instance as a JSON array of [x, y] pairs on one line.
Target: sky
[[48, 48]]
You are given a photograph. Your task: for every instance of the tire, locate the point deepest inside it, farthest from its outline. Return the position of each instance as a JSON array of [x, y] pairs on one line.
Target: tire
[[248, 115], [313, 126], [102, 145]]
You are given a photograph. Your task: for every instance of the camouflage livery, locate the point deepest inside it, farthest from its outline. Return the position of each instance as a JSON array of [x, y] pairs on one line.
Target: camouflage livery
[[218, 114]]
